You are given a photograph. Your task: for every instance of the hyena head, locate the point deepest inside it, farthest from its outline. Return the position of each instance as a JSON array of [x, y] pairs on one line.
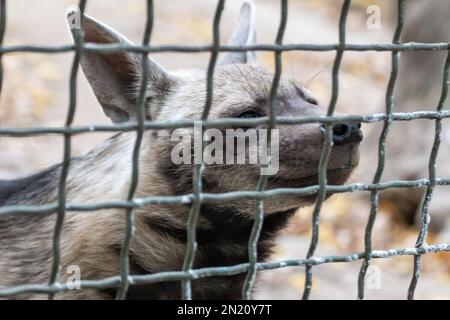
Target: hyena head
[[241, 89]]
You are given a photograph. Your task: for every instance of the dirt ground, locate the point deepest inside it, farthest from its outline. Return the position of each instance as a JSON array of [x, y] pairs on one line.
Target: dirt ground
[[35, 93]]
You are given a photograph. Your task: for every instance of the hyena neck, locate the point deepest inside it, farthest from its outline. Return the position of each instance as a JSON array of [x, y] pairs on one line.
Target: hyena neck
[[222, 238], [230, 229]]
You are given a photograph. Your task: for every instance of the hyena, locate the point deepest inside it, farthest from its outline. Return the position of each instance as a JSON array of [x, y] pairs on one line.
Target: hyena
[[92, 241]]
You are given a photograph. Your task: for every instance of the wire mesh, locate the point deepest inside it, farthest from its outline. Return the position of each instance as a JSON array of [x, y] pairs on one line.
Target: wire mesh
[[381, 151], [197, 197]]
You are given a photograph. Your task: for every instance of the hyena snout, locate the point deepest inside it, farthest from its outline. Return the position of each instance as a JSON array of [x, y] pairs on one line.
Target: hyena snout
[[345, 133], [301, 149]]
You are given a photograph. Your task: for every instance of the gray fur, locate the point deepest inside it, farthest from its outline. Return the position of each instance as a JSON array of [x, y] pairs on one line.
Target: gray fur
[[92, 241]]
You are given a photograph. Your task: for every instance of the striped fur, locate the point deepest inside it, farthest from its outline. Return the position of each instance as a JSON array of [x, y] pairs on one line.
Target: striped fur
[[92, 240]]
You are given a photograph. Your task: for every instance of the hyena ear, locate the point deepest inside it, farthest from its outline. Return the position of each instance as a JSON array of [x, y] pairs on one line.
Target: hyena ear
[[115, 77], [244, 34]]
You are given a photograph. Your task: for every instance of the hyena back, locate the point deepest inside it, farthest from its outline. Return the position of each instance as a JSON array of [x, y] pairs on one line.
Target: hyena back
[[92, 241]]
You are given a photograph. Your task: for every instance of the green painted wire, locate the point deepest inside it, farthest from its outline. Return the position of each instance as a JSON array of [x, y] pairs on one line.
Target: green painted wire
[[140, 111], [225, 122], [217, 197], [323, 163], [61, 210], [186, 287], [2, 35], [114, 282], [189, 274], [259, 217], [109, 48], [425, 214], [381, 151]]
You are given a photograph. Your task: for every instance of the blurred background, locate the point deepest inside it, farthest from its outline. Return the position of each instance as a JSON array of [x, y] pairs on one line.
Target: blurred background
[[35, 93]]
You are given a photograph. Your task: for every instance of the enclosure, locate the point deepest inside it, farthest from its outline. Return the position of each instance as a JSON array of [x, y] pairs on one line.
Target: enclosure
[[366, 241]]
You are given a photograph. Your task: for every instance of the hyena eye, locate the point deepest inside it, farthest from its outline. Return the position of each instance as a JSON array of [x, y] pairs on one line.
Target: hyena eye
[[307, 96], [249, 114]]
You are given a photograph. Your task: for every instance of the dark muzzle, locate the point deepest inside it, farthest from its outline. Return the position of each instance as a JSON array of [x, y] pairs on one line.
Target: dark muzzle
[[345, 133]]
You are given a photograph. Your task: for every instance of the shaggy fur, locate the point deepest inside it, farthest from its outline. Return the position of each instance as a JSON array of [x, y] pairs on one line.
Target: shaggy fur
[[93, 240]]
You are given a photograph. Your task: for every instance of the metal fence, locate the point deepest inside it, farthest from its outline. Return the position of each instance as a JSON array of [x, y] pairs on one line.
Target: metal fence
[[188, 274]]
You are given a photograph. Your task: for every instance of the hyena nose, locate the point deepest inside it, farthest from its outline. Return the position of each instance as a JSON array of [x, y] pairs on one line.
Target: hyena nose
[[344, 133]]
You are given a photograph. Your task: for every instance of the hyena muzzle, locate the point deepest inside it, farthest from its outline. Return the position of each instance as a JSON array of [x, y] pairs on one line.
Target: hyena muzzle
[[92, 241]]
